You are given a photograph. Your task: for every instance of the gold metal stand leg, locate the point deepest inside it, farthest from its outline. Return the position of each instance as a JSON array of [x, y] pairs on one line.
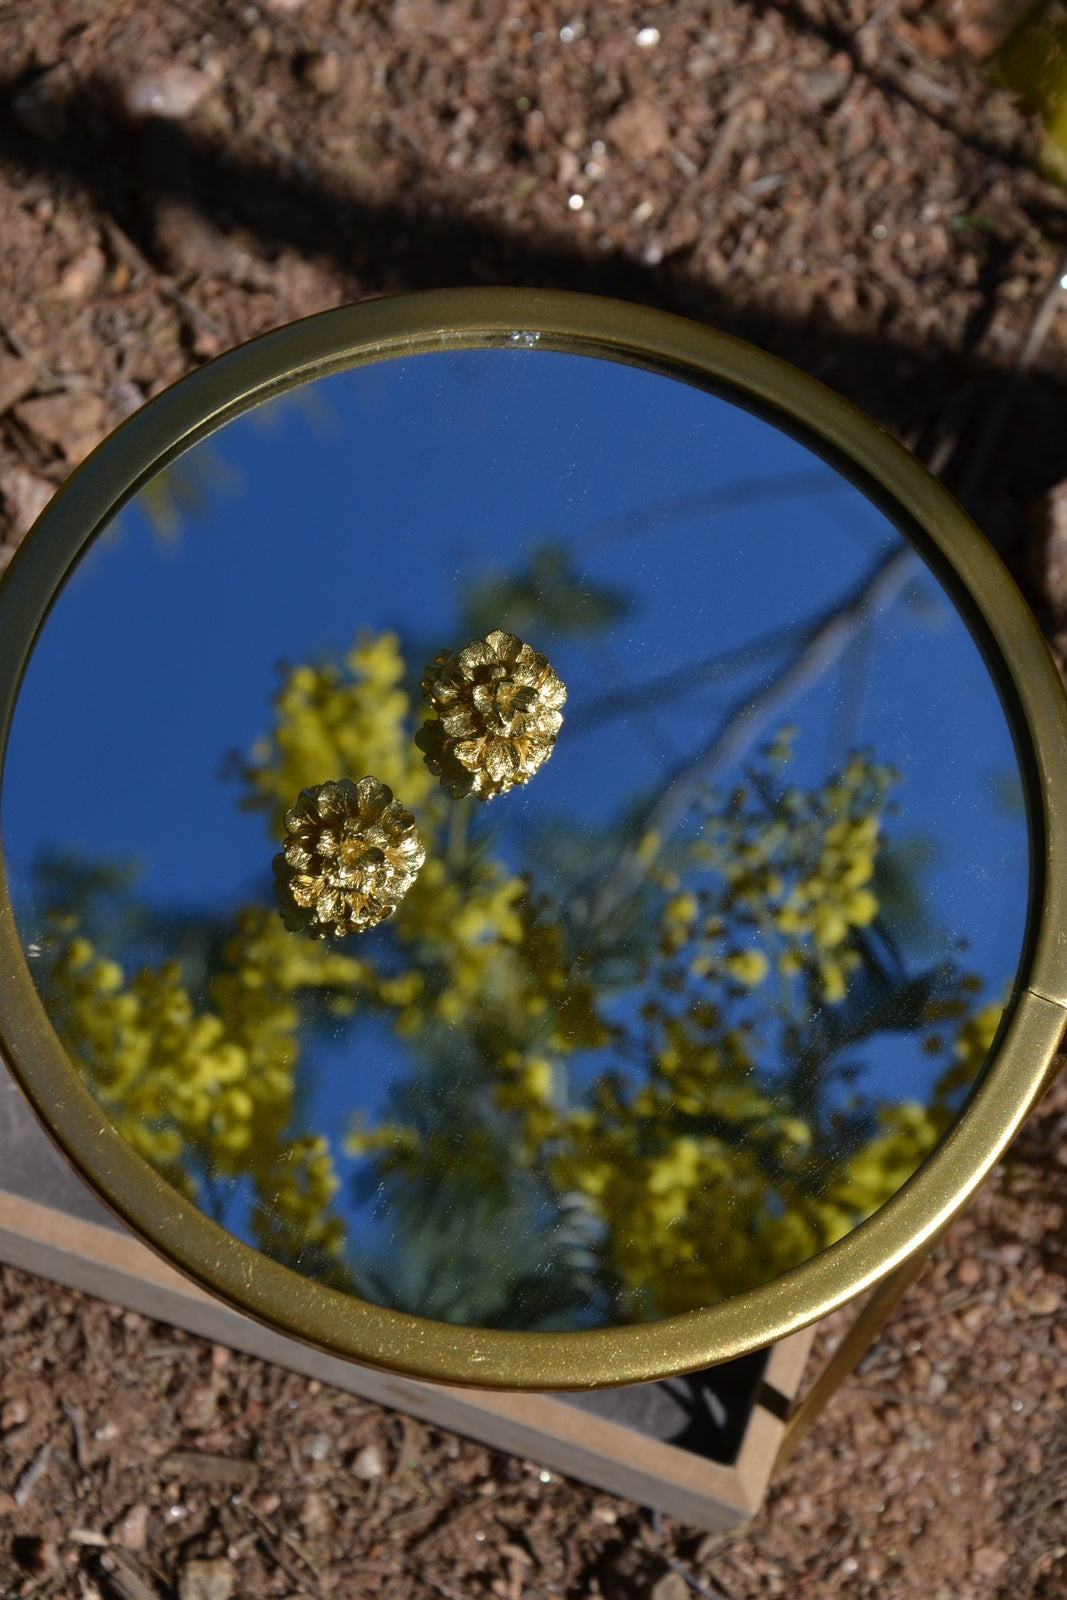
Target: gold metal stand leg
[[880, 1306]]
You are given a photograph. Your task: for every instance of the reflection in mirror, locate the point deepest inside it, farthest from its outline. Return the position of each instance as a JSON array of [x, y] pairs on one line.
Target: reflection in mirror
[[641, 1033]]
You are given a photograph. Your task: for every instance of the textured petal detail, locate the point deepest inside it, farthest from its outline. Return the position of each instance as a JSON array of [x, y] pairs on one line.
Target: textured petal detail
[[497, 703], [469, 751], [501, 760], [505, 646], [462, 723], [352, 854]]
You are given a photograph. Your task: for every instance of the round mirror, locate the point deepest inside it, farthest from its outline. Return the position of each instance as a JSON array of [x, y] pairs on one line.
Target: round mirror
[[518, 832]]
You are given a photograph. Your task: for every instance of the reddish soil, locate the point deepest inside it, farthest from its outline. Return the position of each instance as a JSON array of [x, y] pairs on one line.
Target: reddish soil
[[832, 180]]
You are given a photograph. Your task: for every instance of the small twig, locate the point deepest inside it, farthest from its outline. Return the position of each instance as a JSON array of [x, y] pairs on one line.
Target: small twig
[[698, 1586], [922, 83], [231, 1470], [744, 723], [907, 1398], [1054, 1499], [979, 453], [163, 1352], [137, 261], [171, 291], [16, 383], [647, 724], [120, 1574], [269, 1539], [1048, 1349], [31, 1475], [942, 451], [218, 1436], [272, 1553], [18, 345], [47, 381], [83, 1451], [716, 502], [442, 1588], [293, 1543], [124, 247], [881, 12], [683, 680], [289, 157]]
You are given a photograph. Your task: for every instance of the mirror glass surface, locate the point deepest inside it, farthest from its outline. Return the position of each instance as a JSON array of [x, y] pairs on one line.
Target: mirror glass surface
[[644, 1032]]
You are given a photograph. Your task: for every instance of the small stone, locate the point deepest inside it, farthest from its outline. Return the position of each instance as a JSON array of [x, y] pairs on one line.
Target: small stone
[[199, 1410], [205, 345], [993, 1422], [131, 1530], [83, 275], [314, 1515], [987, 1560], [17, 380], [319, 1447], [23, 496], [368, 1464], [124, 397], [172, 92], [1016, 289], [1044, 1301], [321, 71], [14, 1413], [672, 1586], [192, 246], [206, 1580], [969, 1272], [826, 84], [73, 422], [639, 130]]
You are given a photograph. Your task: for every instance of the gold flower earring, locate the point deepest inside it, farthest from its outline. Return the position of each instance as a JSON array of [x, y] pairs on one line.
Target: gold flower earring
[[498, 711], [351, 854]]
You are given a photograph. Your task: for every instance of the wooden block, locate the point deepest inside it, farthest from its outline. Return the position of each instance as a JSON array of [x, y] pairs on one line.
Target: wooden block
[[52, 1225]]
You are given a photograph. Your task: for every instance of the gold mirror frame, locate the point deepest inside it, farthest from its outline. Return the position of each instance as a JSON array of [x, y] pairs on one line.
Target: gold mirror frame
[[1015, 654]]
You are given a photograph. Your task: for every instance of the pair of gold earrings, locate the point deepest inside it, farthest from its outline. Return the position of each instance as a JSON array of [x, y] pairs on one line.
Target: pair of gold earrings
[[352, 851]]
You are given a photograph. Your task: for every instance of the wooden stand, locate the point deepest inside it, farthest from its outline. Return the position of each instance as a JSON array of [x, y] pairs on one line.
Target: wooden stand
[[52, 1225]]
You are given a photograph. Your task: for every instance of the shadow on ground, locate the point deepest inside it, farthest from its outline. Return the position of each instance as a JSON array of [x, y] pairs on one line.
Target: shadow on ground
[[932, 396]]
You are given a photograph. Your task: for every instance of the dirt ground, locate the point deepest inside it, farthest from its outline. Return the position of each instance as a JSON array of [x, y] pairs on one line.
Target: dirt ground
[[828, 178]]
